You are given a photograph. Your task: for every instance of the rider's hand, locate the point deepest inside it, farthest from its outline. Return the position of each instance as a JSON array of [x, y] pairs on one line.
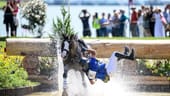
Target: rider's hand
[[92, 81]]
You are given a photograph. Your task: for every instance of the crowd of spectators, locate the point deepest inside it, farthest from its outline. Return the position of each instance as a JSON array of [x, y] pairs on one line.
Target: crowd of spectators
[[144, 22]]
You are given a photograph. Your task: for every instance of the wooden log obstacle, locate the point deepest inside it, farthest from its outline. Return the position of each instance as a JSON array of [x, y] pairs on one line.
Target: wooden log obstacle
[[144, 49], [21, 46]]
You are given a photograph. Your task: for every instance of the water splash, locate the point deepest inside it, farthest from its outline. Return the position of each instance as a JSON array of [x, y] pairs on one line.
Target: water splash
[[114, 87]]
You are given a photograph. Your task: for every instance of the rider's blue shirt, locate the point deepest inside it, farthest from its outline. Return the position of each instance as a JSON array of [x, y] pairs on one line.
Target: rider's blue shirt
[[94, 65], [98, 67]]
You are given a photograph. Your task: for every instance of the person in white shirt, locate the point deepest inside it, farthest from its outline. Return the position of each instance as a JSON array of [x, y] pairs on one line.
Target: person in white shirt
[[140, 23]]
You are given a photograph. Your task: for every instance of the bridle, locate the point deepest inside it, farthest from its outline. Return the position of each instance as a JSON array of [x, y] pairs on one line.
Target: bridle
[[72, 49], [65, 48]]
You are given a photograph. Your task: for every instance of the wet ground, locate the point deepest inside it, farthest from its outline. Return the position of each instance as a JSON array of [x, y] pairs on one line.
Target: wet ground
[[133, 94], [152, 94], [43, 94], [115, 87]]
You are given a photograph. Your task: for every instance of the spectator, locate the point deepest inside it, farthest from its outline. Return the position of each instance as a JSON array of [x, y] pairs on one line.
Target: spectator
[[8, 18], [85, 22], [15, 7], [109, 25], [146, 22], [103, 23], [96, 24], [123, 19], [166, 14], [133, 23], [159, 30], [116, 25], [140, 23], [151, 21]]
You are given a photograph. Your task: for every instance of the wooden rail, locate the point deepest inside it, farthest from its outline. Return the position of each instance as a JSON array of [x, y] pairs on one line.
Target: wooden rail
[[144, 49]]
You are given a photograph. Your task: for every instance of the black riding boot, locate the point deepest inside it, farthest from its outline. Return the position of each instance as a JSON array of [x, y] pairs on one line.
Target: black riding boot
[[122, 56], [126, 50]]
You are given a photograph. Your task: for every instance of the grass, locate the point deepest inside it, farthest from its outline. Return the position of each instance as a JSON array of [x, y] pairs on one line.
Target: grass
[[2, 3], [126, 38], [107, 38]]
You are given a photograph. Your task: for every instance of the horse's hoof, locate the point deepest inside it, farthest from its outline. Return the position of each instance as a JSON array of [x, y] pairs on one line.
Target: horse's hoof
[[64, 93]]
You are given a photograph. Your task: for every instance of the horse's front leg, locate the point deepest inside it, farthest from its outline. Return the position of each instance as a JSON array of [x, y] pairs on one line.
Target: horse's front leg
[[65, 86], [83, 79]]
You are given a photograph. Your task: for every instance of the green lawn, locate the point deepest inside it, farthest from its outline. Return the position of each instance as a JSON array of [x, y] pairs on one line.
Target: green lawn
[[125, 38], [107, 38]]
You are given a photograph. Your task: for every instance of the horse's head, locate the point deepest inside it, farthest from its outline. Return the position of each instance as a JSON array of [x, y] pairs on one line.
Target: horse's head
[[70, 49]]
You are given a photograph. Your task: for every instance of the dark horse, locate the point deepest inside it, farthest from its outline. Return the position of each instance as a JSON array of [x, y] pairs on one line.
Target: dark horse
[[74, 83]]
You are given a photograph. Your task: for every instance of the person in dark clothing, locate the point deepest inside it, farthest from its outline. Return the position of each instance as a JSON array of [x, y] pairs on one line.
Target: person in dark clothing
[[146, 22], [151, 21], [85, 22], [8, 18], [122, 22]]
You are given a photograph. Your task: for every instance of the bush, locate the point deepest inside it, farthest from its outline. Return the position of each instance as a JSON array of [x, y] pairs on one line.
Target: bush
[[161, 67], [158, 67], [35, 12], [12, 74]]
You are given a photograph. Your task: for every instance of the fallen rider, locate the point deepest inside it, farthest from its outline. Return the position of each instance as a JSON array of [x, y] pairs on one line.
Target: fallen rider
[[96, 69]]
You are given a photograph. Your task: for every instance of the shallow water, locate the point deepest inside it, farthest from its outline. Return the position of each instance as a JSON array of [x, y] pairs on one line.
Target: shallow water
[[134, 94], [112, 88]]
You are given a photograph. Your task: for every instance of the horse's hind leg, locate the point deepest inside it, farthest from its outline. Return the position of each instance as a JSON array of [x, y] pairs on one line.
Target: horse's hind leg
[[64, 93]]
